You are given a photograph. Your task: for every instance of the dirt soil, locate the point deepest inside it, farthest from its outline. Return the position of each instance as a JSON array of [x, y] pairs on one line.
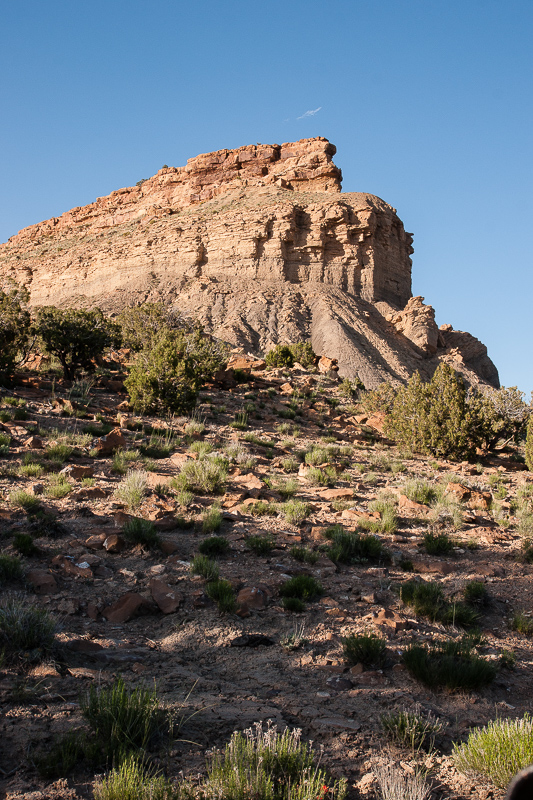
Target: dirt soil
[[207, 666]]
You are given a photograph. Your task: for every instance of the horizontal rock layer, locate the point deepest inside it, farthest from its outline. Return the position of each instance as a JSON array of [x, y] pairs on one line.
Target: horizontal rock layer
[[262, 247]]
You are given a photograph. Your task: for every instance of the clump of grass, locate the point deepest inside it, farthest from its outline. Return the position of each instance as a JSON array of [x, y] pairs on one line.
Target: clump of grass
[[214, 546], [211, 519], [27, 633], [204, 566], [293, 604], [318, 455], [132, 489], [388, 522], [64, 754], [395, 784], [475, 593], [158, 446], [420, 491], [27, 502], [290, 464], [304, 587], [194, 427], [263, 509], [327, 476], [295, 511], [498, 751], [428, 600], [262, 763], [124, 720], [206, 476], [295, 639], [240, 422], [354, 548], [287, 488], [304, 555], [10, 567], [260, 545], [58, 453], [367, 649], [24, 544], [438, 544], [412, 728], [202, 448], [58, 486], [132, 780], [451, 664], [141, 531], [522, 623], [222, 593], [123, 459], [31, 470]]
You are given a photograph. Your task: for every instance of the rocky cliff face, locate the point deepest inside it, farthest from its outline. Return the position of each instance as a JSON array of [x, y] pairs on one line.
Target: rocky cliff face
[[260, 244]]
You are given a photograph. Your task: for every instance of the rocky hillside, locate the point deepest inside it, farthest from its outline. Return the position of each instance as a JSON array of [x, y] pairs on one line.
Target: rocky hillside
[[263, 247], [300, 479]]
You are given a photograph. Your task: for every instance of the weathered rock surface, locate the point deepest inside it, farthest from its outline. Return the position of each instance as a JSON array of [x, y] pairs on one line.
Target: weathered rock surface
[[260, 244]]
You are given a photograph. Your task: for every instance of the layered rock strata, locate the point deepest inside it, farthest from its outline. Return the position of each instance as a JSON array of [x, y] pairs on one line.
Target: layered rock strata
[[260, 244]]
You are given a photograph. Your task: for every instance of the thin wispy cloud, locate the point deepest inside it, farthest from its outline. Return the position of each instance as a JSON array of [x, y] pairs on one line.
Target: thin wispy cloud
[[310, 113]]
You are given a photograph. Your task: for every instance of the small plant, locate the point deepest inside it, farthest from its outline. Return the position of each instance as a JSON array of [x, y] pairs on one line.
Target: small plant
[[132, 489], [412, 728], [195, 427], [27, 633], [293, 604], [317, 456], [124, 720], [295, 639], [204, 566], [304, 554], [395, 784], [498, 751], [260, 545], [367, 649], [304, 587], [58, 486], [24, 544], [131, 780], [428, 600], [123, 459], [475, 593], [522, 623], [27, 502], [295, 511], [287, 488], [354, 548], [31, 470], [10, 566], [141, 531], [58, 453], [206, 476], [420, 491], [240, 422], [322, 477], [222, 593], [290, 464], [214, 546], [263, 509], [438, 544], [451, 664], [211, 519]]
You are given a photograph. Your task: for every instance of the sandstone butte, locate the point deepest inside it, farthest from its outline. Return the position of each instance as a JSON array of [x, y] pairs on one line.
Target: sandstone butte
[[260, 245]]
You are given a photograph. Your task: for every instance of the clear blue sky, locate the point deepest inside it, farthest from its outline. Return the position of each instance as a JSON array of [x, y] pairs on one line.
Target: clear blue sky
[[428, 101]]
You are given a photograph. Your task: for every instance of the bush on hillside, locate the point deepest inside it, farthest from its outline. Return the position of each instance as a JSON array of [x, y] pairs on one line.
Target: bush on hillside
[[529, 444], [141, 325], [76, 337], [168, 375], [14, 327], [286, 355]]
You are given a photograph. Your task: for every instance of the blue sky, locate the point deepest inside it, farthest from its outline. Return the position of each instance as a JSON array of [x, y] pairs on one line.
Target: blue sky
[[429, 104]]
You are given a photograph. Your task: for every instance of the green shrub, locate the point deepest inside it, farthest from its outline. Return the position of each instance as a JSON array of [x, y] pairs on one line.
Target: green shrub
[[293, 604], [295, 511], [367, 649], [522, 623], [168, 375], [205, 476], [287, 488], [75, 337], [211, 519], [132, 489], [222, 593], [420, 491], [438, 544], [260, 545], [428, 600], [141, 325], [475, 593], [304, 554], [214, 546], [322, 477], [123, 720], [354, 548], [395, 784], [132, 780], [262, 763], [304, 587], [204, 566], [58, 486], [63, 755], [498, 751], [15, 327], [58, 453], [412, 728], [240, 422], [10, 566], [27, 633], [451, 664], [28, 502], [141, 531], [24, 544], [281, 356]]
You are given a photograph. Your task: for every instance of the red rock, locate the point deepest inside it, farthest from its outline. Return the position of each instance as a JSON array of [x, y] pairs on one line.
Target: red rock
[[43, 582], [336, 494], [77, 472], [253, 597], [326, 365], [114, 543], [34, 443], [90, 493], [390, 619], [125, 608], [114, 440], [168, 547], [167, 598], [96, 541], [377, 421], [411, 506], [462, 493]]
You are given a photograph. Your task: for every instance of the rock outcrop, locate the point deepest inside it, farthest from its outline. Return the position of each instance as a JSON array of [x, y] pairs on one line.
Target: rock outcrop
[[260, 244]]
